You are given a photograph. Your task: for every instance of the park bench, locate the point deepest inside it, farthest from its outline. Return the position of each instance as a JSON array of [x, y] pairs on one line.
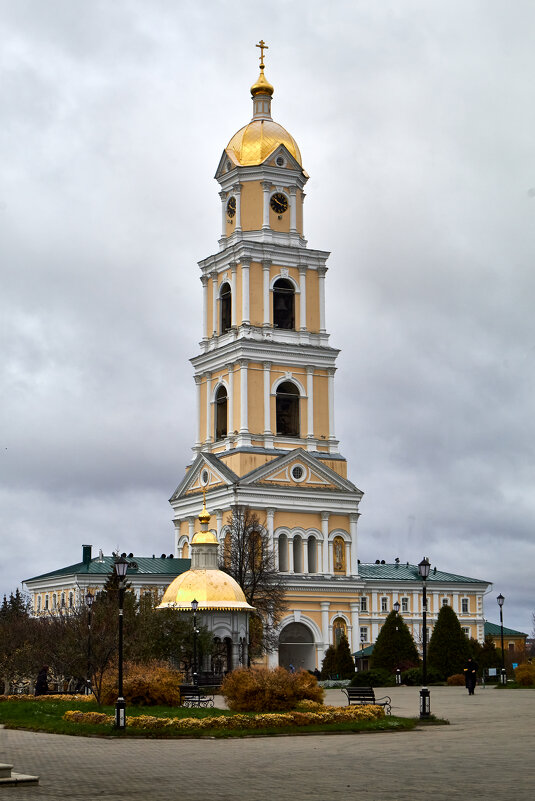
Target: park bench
[[366, 695], [192, 695]]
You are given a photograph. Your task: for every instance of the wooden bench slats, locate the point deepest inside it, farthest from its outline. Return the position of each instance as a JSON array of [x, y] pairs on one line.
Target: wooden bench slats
[[366, 695]]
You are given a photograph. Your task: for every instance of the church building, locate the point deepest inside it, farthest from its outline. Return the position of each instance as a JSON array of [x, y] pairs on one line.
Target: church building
[[265, 429]]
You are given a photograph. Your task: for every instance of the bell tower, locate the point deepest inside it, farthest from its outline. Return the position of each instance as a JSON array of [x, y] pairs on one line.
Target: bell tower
[[265, 432]]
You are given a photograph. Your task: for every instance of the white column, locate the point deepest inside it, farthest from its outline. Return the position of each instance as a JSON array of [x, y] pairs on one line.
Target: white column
[[321, 282], [198, 381], [456, 603], [354, 544], [325, 531], [244, 418], [305, 555], [325, 622], [374, 603], [310, 403], [303, 298], [230, 401], [267, 398], [266, 265], [290, 555], [191, 529], [237, 191], [245, 293], [416, 602], [213, 276], [176, 524], [223, 196], [208, 407], [355, 626], [270, 518], [303, 196], [204, 282], [348, 558], [293, 210], [330, 372], [266, 187], [233, 305], [434, 597]]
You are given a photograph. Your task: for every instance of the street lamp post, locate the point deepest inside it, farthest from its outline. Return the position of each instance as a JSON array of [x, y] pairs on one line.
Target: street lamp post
[[195, 606], [500, 600], [398, 670], [89, 598], [425, 698], [121, 566]]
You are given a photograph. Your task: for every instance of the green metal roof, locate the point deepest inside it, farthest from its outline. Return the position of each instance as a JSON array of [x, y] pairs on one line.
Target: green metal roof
[[146, 565], [368, 651], [494, 630], [407, 572]]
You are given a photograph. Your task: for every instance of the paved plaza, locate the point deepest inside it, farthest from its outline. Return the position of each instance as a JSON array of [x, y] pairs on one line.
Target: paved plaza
[[486, 753]]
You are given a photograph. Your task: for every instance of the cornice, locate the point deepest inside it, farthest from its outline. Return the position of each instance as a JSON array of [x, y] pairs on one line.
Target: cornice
[[265, 349], [251, 250]]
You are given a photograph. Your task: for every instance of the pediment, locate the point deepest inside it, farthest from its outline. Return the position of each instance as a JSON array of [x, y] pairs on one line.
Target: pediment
[[206, 473], [228, 156], [290, 162], [298, 469]]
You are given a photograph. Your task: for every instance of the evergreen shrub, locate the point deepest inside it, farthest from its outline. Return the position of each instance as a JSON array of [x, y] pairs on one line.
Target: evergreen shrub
[[525, 675], [415, 677], [147, 684], [263, 690], [373, 678]]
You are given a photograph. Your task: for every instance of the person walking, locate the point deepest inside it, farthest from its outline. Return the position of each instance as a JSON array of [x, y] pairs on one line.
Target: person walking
[[470, 675], [41, 685]]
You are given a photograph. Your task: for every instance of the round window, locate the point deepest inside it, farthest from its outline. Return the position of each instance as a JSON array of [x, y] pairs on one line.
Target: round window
[[204, 477], [298, 473], [280, 161]]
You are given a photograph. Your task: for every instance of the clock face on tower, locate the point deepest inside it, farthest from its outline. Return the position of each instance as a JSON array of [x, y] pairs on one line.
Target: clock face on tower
[[231, 207], [279, 203]]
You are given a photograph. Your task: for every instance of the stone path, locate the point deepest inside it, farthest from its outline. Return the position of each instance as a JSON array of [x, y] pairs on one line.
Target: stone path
[[486, 753]]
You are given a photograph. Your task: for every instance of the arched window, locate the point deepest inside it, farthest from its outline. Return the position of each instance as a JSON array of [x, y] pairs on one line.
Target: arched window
[[298, 554], [283, 304], [185, 551], [227, 549], [312, 555], [339, 630], [283, 553], [71, 600], [287, 409], [221, 413], [63, 600], [339, 555], [225, 305], [38, 603]]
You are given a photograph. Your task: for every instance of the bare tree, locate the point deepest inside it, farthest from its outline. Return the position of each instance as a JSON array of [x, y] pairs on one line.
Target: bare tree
[[248, 558]]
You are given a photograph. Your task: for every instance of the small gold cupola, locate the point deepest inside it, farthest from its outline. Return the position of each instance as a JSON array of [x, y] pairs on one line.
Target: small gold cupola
[[262, 90]]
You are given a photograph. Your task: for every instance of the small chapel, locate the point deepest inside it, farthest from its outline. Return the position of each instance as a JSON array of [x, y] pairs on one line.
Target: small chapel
[[265, 427]]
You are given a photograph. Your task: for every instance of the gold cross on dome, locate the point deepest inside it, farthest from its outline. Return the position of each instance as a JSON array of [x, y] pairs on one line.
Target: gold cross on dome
[[263, 46]]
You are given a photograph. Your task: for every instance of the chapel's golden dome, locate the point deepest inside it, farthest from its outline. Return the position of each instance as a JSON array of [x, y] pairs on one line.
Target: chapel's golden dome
[[203, 537], [253, 143], [213, 589]]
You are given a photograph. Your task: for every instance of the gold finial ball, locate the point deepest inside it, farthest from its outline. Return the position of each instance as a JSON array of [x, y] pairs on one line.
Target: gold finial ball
[[204, 516]]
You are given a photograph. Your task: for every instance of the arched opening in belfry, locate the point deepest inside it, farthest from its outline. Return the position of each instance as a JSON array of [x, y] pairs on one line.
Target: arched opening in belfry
[[312, 545], [298, 554], [221, 403], [225, 304], [283, 553], [283, 304], [287, 409], [296, 647]]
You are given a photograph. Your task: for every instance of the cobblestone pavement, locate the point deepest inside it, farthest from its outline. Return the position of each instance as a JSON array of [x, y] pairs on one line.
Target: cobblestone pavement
[[486, 753]]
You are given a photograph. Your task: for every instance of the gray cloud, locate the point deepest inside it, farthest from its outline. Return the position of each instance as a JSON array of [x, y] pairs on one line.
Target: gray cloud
[[416, 126]]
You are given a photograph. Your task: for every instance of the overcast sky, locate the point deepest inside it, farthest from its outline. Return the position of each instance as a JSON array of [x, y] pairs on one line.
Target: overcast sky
[[416, 123]]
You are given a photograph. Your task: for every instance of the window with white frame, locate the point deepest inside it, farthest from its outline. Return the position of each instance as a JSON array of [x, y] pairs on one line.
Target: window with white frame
[[46, 601], [404, 604], [445, 602], [363, 604], [62, 600], [71, 600], [465, 606], [363, 634], [39, 603], [384, 604], [466, 630]]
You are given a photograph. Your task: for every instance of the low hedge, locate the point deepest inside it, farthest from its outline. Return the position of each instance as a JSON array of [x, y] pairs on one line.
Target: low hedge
[[263, 690], [306, 717]]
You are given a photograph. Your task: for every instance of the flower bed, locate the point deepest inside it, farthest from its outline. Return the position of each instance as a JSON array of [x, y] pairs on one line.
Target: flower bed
[[77, 698], [307, 717]]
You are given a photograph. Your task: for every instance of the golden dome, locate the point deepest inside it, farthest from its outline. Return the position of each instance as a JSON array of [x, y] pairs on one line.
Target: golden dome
[[203, 537], [262, 86], [204, 516], [213, 589], [254, 142]]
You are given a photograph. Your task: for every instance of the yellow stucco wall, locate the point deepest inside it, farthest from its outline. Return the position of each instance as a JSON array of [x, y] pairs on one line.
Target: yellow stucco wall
[[313, 305], [256, 295], [297, 519], [251, 205]]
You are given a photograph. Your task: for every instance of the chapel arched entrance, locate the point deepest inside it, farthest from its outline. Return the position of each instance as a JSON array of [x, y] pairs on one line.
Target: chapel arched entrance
[[296, 647]]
